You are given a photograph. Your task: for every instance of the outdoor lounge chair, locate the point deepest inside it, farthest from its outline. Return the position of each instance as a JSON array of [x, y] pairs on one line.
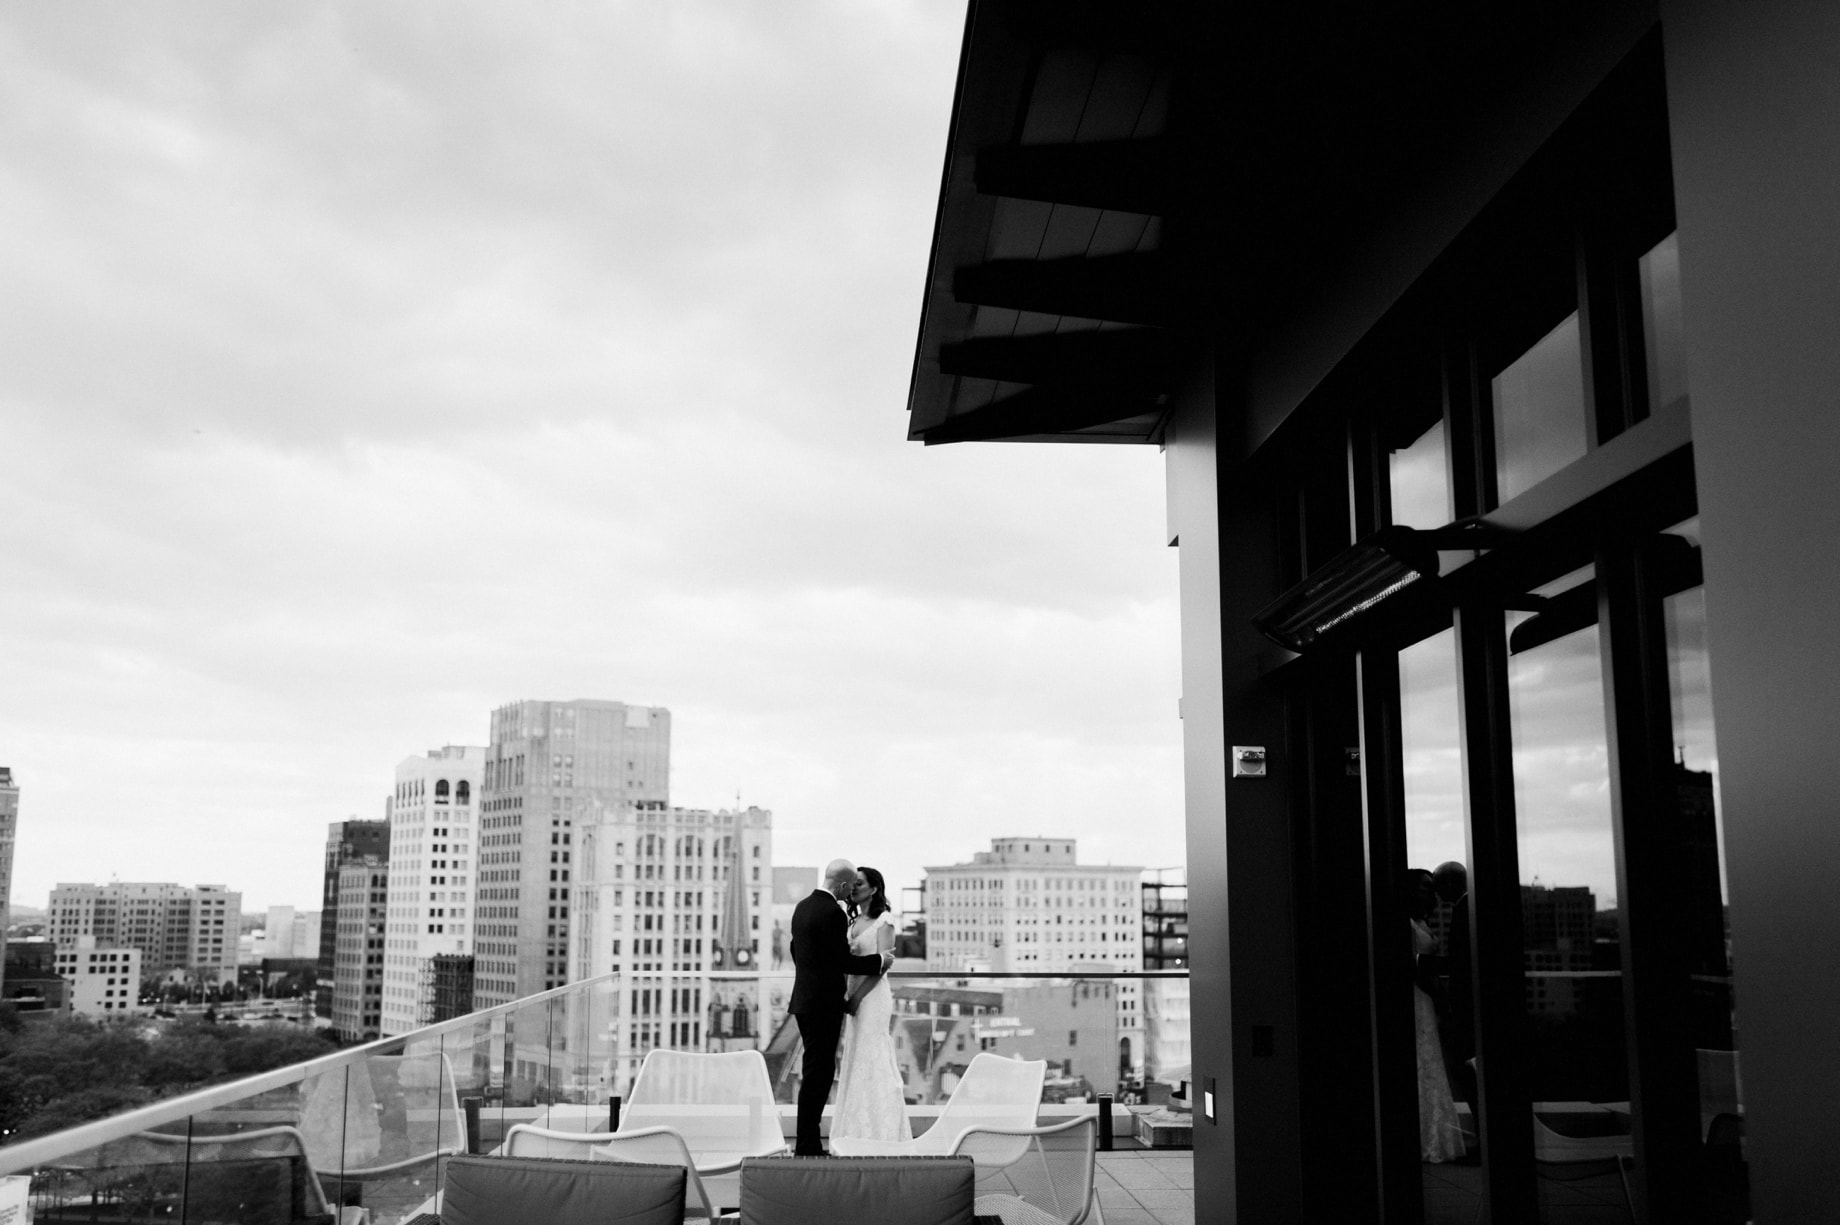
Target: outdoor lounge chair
[[495, 1190], [650, 1145], [882, 1190], [1035, 1175], [721, 1103], [1570, 1153], [258, 1176], [995, 1092]]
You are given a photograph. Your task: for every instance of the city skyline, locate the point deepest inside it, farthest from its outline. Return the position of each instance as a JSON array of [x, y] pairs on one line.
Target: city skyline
[[367, 372]]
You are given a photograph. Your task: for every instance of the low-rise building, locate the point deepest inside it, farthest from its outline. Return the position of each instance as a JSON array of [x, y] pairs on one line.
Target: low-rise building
[[1073, 1025], [1028, 904], [187, 932], [30, 981], [104, 982]]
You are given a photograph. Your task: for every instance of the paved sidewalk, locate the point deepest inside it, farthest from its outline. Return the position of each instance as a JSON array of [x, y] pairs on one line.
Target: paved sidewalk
[[1147, 1187]]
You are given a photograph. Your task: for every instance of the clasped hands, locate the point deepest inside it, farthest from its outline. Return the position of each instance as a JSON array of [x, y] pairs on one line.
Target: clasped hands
[[849, 1005]]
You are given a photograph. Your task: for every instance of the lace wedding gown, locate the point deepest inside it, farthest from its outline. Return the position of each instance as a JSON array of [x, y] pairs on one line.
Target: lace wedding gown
[[870, 1102], [1440, 1134]]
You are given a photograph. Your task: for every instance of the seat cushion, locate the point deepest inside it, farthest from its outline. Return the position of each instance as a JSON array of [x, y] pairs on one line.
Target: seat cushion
[[555, 1191], [884, 1190]]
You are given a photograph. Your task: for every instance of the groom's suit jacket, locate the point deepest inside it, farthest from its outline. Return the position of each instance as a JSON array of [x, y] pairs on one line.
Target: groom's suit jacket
[[821, 957]]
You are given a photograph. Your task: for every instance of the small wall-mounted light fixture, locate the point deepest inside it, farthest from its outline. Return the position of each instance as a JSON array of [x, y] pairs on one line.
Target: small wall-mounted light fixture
[[1248, 761]]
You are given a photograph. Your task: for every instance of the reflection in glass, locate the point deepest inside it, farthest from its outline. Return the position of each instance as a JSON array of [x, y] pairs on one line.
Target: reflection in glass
[[1432, 767], [1661, 327], [1540, 423], [1419, 478], [1713, 1024], [1578, 1072]]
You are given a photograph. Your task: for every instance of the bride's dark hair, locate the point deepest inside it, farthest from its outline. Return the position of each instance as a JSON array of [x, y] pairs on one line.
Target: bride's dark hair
[[877, 905]]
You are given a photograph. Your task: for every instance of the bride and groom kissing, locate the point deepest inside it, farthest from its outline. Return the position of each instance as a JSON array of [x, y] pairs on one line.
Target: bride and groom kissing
[[842, 946]]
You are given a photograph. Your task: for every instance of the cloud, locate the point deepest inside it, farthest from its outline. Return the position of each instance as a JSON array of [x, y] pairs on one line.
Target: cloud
[[371, 367]]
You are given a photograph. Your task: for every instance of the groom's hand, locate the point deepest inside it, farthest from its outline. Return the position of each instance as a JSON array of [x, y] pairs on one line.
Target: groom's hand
[[887, 962]]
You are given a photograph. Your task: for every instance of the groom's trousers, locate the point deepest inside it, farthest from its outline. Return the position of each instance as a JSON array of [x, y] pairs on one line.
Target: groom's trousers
[[819, 1031]]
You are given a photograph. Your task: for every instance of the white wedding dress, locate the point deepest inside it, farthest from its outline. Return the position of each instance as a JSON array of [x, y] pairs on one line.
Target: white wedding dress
[[870, 1101]]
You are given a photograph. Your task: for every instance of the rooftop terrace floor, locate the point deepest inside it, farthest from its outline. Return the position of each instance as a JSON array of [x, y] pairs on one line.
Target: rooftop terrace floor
[[1147, 1187]]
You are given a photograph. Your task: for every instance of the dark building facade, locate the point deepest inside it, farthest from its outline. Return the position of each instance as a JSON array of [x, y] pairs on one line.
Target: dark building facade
[[31, 982], [1165, 893], [451, 989], [1491, 352]]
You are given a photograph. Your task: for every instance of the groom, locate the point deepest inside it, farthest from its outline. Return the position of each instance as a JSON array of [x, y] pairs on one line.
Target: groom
[[822, 961]]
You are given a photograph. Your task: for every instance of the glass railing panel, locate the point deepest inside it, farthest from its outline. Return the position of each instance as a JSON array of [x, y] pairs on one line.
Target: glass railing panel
[[252, 1161], [371, 1129], [126, 1179], [378, 1130], [586, 1025], [1126, 1035], [469, 1050], [520, 1064]]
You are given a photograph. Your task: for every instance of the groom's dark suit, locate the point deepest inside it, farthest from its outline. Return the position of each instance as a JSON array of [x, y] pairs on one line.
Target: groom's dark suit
[[822, 962]]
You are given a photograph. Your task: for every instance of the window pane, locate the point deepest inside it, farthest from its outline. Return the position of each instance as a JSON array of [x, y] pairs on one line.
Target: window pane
[[1443, 1024], [1578, 1074], [1539, 411], [1661, 328], [1420, 481]]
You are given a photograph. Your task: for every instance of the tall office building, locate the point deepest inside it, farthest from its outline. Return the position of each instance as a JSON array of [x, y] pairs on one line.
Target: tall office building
[[9, 828], [346, 842], [178, 929], [1027, 904], [433, 838], [666, 896], [550, 766], [357, 951]]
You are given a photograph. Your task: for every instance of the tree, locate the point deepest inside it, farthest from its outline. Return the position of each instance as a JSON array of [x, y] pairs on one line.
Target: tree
[[182, 1056], [258, 1050]]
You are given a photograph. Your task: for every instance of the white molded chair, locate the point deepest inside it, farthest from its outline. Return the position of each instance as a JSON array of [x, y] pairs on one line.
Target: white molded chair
[[201, 1153], [995, 1092], [1553, 1148], [383, 1115], [720, 1102], [1035, 1175], [648, 1146]]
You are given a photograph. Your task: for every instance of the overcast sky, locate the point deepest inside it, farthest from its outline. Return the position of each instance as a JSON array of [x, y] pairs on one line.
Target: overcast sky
[[365, 367]]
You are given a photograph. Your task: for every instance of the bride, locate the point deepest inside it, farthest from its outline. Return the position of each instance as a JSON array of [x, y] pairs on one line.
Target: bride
[[870, 1102]]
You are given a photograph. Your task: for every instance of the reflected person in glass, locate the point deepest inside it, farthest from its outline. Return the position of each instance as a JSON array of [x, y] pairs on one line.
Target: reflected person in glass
[[1440, 1134], [1451, 882]]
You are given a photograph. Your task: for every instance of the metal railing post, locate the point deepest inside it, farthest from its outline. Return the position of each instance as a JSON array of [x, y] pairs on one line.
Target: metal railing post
[[469, 1107]]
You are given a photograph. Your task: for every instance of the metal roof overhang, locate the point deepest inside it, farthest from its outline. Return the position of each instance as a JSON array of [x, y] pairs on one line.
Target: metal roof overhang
[[1132, 187], [1049, 299]]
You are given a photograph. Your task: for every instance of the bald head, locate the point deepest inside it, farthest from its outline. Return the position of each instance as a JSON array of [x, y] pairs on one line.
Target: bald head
[[840, 877], [1451, 880]]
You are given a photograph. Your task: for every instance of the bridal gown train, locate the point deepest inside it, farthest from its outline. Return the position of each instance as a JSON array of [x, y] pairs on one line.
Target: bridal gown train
[[871, 1104], [1440, 1133]]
